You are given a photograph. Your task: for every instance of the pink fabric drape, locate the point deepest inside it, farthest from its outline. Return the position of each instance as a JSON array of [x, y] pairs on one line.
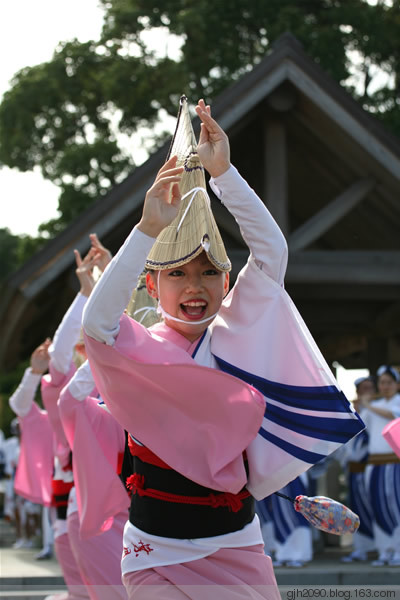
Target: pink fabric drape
[[198, 420], [72, 576], [36, 459], [99, 559], [96, 440], [228, 574], [51, 386]]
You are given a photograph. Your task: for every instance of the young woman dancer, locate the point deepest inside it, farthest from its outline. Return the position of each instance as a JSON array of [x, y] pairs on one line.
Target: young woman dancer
[[202, 442]]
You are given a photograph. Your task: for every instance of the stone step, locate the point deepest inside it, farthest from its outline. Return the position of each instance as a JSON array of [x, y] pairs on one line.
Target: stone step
[[30, 593]]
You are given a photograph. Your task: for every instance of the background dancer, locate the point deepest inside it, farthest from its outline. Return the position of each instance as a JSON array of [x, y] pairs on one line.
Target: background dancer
[[383, 468]]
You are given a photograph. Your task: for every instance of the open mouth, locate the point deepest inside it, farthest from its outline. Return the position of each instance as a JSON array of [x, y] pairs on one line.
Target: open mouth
[[194, 309]]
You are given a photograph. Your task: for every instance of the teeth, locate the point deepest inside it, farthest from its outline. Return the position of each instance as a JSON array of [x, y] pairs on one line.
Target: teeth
[[194, 303]]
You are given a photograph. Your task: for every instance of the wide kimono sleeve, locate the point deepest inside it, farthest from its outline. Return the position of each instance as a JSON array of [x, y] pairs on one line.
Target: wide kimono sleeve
[[260, 337], [35, 463], [36, 458], [97, 443], [51, 385]]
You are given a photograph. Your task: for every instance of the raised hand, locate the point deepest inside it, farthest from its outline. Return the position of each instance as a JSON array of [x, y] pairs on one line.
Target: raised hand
[[102, 256], [84, 270], [162, 200], [213, 147], [40, 358]]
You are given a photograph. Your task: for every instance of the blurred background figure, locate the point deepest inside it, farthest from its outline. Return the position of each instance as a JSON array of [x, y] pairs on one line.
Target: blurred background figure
[[264, 511], [383, 469], [22, 514], [353, 460]]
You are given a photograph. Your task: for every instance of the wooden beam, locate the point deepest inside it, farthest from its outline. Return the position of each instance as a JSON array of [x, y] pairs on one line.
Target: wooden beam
[[349, 267], [352, 267], [342, 292], [335, 268], [276, 176], [328, 216]]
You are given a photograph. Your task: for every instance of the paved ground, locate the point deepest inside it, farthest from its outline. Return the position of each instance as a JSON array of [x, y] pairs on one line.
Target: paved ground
[[24, 578]]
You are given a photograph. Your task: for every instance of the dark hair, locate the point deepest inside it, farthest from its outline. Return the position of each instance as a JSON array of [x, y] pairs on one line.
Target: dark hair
[[387, 369]]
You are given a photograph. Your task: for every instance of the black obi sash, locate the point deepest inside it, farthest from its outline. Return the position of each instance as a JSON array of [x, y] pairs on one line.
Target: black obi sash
[[167, 504]]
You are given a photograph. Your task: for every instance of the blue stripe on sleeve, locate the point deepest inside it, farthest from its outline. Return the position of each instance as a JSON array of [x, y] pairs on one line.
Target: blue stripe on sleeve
[[327, 428], [300, 453], [329, 398]]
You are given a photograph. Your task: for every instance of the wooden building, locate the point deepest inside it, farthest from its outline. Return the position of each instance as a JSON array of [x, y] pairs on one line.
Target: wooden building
[[329, 173]]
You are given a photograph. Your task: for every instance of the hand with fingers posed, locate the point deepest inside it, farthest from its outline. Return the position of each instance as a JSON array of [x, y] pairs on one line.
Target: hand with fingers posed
[[162, 200], [103, 256], [213, 147], [40, 358], [84, 270]]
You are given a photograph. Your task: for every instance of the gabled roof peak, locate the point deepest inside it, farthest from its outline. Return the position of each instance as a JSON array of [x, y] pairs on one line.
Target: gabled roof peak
[[288, 40]]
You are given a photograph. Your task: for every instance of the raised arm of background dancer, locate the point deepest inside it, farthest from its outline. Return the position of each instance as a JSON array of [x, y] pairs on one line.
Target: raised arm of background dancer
[[82, 383], [258, 228], [22, 398], [112, 293], [67, 334], [389, 414]]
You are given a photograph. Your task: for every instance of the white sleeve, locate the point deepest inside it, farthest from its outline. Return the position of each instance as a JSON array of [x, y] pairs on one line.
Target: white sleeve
[[22, 399], [112, 293], [82, 383], [395, 409], [261, 233], [67, 335]]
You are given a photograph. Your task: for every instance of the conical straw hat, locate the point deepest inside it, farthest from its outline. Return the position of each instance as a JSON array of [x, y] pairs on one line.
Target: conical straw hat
[[194, 229], [142, 307]]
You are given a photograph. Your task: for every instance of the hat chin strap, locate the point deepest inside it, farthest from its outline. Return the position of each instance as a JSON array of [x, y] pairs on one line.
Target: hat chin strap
[[166, 315]]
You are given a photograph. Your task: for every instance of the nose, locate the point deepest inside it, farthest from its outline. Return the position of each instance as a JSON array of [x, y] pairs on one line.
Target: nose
[[194, 282]]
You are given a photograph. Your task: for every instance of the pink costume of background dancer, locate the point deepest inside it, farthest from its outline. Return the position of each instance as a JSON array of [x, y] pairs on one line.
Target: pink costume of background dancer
[[39, 473], [45, 471], [98, 502], [185, 393], [96, 529]]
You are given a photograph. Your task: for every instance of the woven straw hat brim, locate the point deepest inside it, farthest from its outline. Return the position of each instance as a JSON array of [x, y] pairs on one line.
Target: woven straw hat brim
[[194, 230], [198, 232]]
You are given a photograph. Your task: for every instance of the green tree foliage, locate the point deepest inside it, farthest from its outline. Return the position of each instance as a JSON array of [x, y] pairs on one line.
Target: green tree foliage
[[8, 384], [69, 115], [15, 250]]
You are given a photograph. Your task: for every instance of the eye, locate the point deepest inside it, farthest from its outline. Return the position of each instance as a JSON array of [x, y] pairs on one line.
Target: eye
[[176, 273], [211, 272]]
